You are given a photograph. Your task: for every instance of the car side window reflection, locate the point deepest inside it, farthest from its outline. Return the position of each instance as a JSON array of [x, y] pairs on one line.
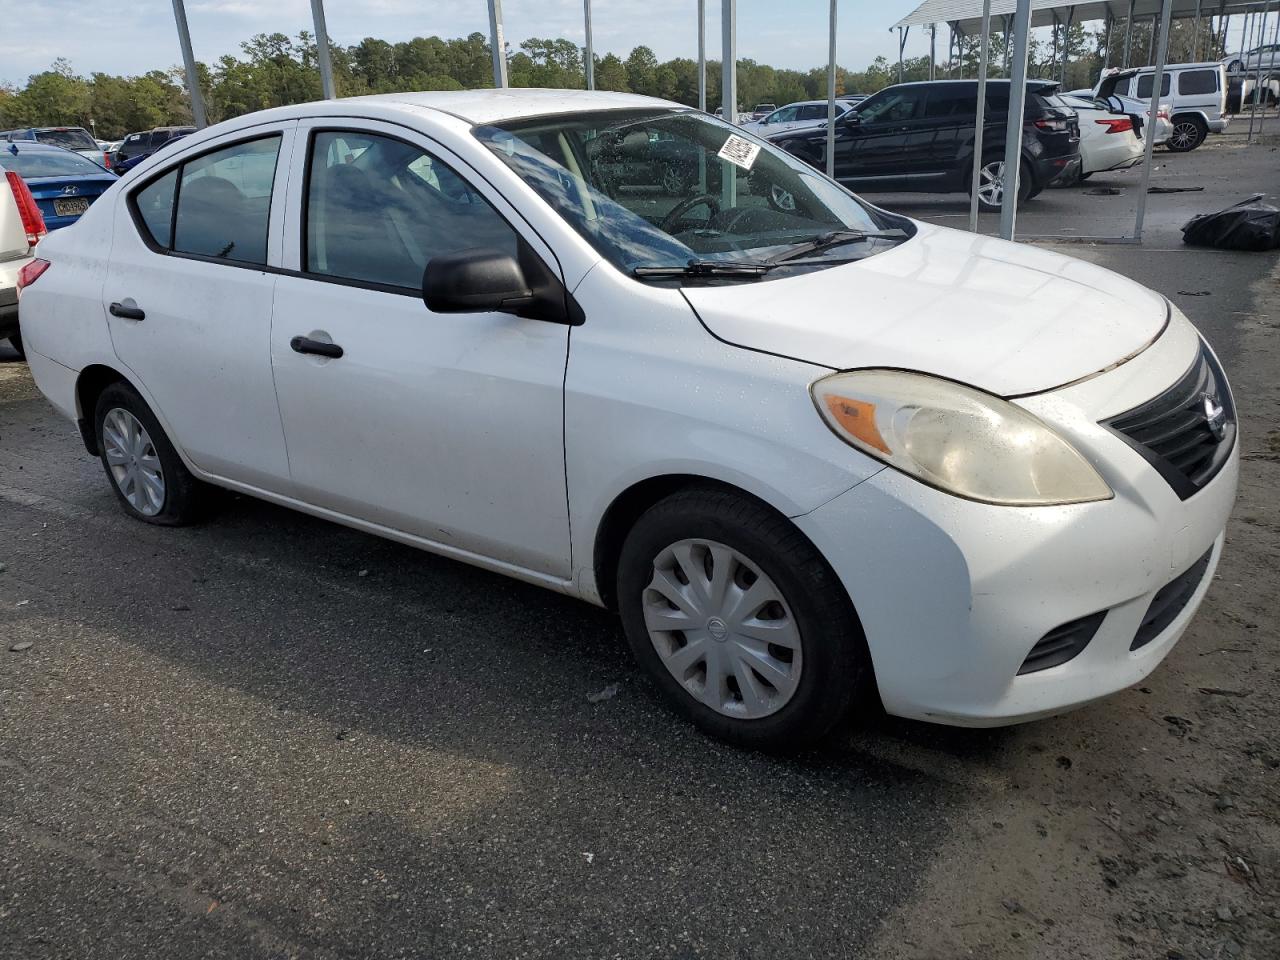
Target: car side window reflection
[[224, 202], [378, 209]]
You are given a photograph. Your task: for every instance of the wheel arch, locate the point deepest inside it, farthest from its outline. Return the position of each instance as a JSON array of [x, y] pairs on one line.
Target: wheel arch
[[629, 505], [92, 380]]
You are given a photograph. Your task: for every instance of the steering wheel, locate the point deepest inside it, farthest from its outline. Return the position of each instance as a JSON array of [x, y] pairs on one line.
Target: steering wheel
[[687, 204]]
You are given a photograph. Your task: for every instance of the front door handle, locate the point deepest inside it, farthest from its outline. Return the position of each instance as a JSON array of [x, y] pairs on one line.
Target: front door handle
[[318, 347], [126, 312]]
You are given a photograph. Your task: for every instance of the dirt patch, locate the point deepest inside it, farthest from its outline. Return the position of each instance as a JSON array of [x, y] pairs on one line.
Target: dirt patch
[[1147, 826]]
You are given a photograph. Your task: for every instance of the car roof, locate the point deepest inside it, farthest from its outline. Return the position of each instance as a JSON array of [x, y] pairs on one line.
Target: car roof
[[1202, 64], [993, 82], [489, 105]]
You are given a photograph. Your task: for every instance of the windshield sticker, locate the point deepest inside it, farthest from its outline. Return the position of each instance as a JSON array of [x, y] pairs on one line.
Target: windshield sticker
[[739, 150]]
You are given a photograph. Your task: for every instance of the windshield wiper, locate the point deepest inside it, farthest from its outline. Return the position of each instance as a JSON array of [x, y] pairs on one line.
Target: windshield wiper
[[835, 238], [706, 268]]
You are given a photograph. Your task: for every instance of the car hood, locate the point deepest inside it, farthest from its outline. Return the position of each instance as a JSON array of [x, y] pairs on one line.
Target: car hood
[[1007, 318]]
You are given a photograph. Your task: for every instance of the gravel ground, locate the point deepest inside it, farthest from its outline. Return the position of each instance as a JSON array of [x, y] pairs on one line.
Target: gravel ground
[[274, 737]]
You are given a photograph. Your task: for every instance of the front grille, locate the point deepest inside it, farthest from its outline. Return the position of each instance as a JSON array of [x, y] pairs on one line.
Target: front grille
[[1187, 432], [1169, 601], [1062, 643]]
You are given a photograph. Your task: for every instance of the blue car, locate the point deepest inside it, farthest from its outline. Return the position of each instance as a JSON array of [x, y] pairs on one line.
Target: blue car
[[63, 183]]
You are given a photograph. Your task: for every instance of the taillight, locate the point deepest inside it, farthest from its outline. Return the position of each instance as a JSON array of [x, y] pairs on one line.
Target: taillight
[[1117, 125], [106, 160], [32, 221], [31, 272], [1056, 125]]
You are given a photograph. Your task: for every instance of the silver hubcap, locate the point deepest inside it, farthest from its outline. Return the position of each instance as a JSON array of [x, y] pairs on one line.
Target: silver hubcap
[[1184, 134], [134, 463], [723, 629], [783, 198], [991, 182], [671, 181]]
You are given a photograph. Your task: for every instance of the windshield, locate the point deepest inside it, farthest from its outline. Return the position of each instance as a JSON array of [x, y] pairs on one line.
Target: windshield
[[650, 188], [47, 163], [72, 139]]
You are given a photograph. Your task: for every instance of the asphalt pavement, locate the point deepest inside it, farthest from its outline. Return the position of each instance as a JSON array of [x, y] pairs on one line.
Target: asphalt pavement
[[270, 736]]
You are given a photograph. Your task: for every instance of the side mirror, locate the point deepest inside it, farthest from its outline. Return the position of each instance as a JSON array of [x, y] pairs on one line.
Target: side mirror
[[850, 118], [484, 280], [475, 281], [1115, 104]]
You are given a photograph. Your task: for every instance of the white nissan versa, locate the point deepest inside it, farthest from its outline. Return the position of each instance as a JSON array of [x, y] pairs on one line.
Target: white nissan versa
[[811, 451]]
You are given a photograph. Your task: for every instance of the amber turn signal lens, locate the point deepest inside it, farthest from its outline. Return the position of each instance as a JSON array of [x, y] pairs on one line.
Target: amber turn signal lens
[[858, 418]]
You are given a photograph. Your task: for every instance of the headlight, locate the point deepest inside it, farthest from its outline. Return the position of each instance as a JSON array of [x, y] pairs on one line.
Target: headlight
[[956, 438]]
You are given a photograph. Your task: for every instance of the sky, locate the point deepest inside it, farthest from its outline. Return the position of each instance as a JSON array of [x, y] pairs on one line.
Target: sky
[[132, 36]]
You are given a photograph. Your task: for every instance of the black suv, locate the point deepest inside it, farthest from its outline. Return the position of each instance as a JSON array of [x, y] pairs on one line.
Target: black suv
[[918, 137], [138, 146]]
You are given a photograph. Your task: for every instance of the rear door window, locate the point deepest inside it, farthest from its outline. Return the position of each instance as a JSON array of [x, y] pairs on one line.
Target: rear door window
[[951, 101], [1197, 82], [223, 203], [1147, 81]]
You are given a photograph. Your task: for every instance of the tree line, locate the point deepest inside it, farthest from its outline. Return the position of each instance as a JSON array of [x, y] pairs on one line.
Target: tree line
[[275, 69]]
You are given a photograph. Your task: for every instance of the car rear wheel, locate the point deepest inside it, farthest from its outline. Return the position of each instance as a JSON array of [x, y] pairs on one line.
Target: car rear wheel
[[1187, 134], [146, 473], [15, 341], [991, 184], [740, 622]]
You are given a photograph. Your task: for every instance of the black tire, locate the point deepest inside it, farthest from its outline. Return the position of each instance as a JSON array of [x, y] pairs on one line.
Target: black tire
[[836, 674], [1026, 185], [1084, 176], [1187, 134], [15, 341], [186, 499]]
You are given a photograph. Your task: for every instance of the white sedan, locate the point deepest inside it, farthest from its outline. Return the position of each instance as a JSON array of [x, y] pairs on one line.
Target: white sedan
[[1107, 139], [815, 457]]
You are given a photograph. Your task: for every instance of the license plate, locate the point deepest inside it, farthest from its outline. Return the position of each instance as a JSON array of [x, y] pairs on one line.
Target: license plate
[[70, 208]]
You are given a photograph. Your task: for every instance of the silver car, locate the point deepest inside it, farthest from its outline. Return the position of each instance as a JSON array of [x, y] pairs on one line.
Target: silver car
[[794, 116]]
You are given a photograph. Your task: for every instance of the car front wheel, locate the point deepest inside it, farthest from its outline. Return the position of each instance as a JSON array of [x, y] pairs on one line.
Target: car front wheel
[[740, 622], [145, 471]]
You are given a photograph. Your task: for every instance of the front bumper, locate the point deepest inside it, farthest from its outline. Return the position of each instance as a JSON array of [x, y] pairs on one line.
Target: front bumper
[[953, 595]]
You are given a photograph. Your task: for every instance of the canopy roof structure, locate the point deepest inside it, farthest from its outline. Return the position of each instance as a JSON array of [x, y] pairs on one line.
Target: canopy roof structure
[[966, 15]]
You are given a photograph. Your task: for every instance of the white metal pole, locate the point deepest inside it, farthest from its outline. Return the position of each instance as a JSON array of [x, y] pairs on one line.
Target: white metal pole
[[588, 56], [729, 93], [831, 94], [1275, 40], [1157, 81], [1008, 44], [1106, 41], [498, 43], [902, 42], [1195, 34], [981, 116], [702, 55], [322, 51], [1258, 100], [1066, 43], [1013, 127], [933, 56], [189, 61]]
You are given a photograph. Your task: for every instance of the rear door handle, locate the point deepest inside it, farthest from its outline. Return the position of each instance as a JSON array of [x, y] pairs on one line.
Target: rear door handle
[[125, 312], [318, 347]]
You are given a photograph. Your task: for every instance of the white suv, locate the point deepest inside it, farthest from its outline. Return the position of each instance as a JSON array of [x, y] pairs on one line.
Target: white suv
[[1196, 91]]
